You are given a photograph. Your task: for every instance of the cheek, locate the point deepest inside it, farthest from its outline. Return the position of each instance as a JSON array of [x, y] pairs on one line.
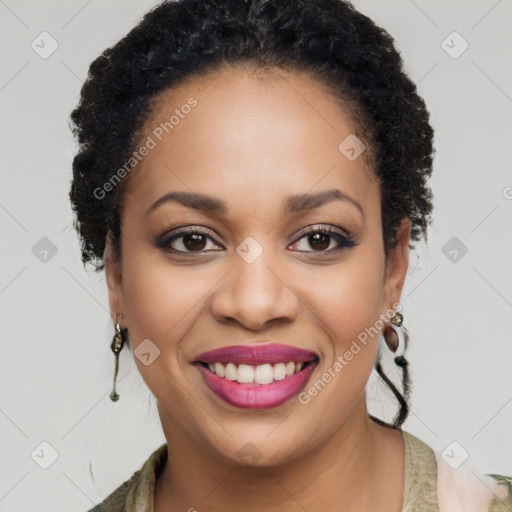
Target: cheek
[[162, 300], [347, 302], [162, 304], [346, 313], [346, 298], [361, 297], [159, 304]]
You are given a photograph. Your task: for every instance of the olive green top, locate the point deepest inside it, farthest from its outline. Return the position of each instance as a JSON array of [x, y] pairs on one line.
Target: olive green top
[[421, 493]]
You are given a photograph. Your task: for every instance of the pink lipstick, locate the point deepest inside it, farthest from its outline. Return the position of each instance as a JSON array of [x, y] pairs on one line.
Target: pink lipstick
[[256, 376]]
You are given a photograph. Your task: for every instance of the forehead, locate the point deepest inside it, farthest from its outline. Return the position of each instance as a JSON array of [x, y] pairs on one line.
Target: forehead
[[246, 135]]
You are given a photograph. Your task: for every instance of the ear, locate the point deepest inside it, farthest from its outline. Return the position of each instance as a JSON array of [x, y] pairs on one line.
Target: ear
[[397, 265], [113, 276]]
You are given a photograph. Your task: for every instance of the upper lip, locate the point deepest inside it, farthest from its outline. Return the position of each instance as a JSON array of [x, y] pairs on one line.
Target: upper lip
[[256, 353]]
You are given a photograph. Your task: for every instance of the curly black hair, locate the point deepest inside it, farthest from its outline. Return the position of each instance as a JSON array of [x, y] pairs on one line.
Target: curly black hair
[[178, 40]]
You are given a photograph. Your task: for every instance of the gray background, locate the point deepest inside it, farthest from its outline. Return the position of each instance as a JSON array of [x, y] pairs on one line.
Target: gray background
[[56, 365]]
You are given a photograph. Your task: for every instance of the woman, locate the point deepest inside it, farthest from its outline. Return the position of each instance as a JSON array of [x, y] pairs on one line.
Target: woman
[[251, 176]]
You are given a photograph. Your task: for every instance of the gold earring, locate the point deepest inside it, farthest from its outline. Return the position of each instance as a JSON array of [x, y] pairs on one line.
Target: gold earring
[[116, 346]]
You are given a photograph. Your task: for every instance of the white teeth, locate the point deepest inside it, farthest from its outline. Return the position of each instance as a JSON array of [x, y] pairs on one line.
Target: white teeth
[[264, 374], [279, 371], [245, 373], [231, 372], [260, 374], [219, 370]]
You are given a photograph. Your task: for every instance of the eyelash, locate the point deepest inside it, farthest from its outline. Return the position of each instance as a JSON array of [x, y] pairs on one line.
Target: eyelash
[[344, 241]]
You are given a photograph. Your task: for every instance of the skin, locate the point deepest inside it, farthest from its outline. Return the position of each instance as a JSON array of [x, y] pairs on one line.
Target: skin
[[251, 141]]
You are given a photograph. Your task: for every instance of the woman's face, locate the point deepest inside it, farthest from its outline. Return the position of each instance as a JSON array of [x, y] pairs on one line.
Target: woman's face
[[253, 274]]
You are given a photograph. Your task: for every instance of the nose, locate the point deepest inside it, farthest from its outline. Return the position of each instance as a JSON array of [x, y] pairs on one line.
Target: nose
[[254, 295]]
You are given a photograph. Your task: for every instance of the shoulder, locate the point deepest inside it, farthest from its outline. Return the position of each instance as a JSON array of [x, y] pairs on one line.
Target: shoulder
[[135, 494], [462, 488], [450, 487], [501, 502], [459, 487], [116, 500]]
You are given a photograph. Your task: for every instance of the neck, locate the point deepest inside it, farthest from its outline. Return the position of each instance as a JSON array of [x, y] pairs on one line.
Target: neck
[[348, 472]]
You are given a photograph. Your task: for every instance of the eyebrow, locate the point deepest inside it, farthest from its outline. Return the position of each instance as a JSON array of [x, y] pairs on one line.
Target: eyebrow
[[292, 204]]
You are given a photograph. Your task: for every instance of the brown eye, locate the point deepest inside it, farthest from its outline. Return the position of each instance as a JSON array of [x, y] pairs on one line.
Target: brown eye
[[194, 241], [319, 241], [186, 241], [319, 238]]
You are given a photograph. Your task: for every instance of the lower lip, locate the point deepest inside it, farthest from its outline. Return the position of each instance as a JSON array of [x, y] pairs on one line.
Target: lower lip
[[257, 396]]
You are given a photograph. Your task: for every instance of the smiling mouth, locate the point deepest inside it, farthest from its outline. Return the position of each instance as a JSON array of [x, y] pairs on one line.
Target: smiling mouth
[[262, 374]]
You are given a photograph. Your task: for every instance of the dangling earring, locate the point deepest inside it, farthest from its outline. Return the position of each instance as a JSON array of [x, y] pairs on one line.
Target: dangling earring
[[396, 339], [116, 346]]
